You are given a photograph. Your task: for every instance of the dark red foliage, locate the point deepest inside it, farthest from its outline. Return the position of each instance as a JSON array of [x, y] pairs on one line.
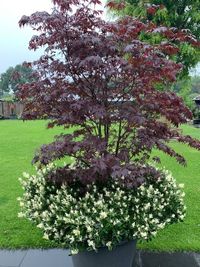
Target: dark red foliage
[[116, 6], [151, 10], [100, 78]]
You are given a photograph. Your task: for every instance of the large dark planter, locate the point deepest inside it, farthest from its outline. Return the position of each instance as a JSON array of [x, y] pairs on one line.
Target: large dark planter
[[121, 256]]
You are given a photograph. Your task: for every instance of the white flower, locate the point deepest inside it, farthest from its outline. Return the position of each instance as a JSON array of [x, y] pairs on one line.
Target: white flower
[[99, 203], [26, 175], [109, 244], [103, 215], [21, 215], [127, 218], [41, 188], [71, 239], [21, 204], [35, 214], [142, 188], [91, 244], [45, 236], [143, 235], [89, 228], [107, 193], [76, 232], [133, 225], [87, 195], [181, 186], [154, 233], [161, 225], [156, 221], [74, 251], [147, 206]]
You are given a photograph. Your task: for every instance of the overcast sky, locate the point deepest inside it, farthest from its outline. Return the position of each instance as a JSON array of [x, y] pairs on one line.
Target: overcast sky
[[13, 40]]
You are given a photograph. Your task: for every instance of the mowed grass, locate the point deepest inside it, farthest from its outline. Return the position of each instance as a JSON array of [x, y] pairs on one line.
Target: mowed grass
[[18, 142]]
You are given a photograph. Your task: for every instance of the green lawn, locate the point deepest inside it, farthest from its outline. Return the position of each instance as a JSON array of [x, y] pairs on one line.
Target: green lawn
[[18, 141]]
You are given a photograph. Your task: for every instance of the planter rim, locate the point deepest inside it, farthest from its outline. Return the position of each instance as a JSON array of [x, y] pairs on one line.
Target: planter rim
[[121, 243]]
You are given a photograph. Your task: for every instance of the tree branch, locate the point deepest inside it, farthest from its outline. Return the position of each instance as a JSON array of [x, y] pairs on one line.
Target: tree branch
[[119, 137]]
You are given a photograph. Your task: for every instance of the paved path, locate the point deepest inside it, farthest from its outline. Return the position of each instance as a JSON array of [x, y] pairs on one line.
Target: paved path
[[35, 258], [61, 258]]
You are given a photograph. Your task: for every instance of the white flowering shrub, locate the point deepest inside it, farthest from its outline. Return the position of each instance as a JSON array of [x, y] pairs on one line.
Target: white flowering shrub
[[102, 216]]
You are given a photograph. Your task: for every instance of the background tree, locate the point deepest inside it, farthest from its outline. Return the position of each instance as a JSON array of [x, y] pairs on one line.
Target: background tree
[[188, 89], [195, 84], [181, 14], [103, 85], [14, 77], [184, 89]]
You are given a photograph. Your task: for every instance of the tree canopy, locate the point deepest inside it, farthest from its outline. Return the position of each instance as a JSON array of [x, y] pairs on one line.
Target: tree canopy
[[104, 85], [180, 14], [14, 77], [188, 89]]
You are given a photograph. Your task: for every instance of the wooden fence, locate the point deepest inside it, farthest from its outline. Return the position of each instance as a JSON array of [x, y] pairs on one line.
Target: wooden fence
[[9, 110]]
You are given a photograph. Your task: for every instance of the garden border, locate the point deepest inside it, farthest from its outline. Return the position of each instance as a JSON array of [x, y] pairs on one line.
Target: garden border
[[60, 258]]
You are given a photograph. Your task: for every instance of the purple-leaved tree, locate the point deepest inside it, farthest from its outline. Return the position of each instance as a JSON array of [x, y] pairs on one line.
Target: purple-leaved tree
[[100, 79]]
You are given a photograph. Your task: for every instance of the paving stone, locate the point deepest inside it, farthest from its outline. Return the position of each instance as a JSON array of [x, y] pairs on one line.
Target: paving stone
[[176, 259], [197, 258], [11, 258], [47, 258], [60, 258]]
